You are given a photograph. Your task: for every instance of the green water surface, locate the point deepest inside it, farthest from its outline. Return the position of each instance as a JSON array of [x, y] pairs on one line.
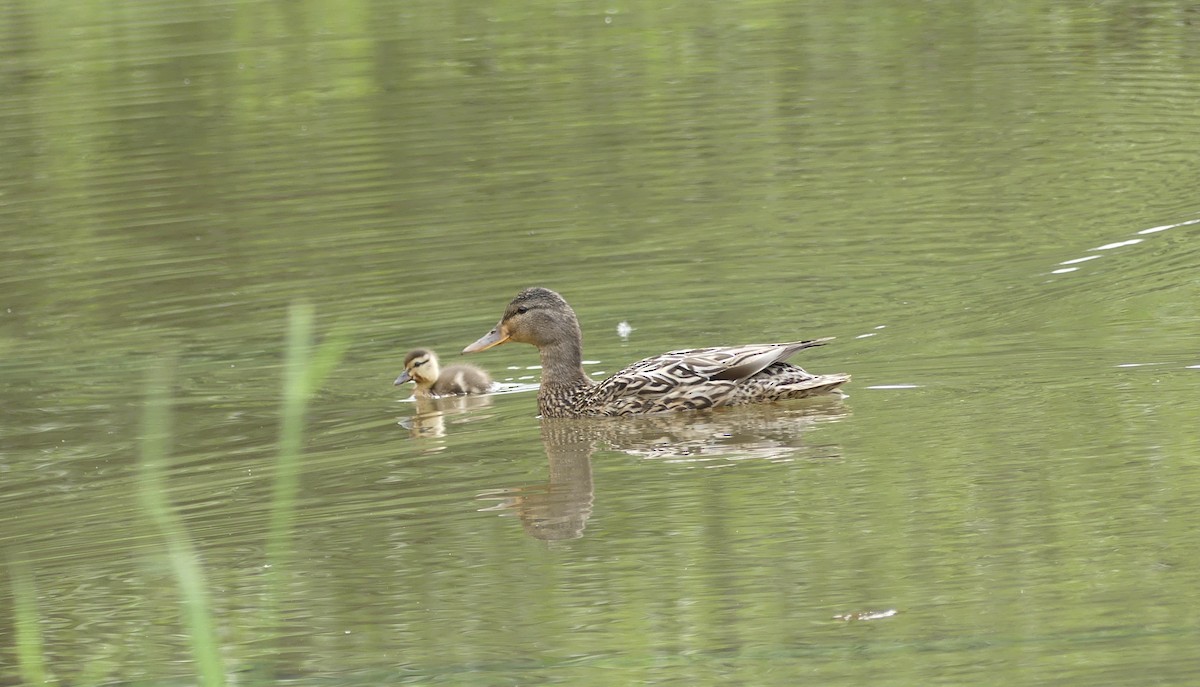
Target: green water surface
[[992, 206]]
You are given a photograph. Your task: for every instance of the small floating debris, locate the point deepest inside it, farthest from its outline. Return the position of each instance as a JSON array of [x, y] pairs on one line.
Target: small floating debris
[[863, 336], [866, 615], [624, 329], [895, 386]]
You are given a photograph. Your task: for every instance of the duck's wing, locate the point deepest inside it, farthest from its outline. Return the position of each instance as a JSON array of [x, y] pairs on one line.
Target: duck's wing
[[735, 363], [689, 378], [699, 365]]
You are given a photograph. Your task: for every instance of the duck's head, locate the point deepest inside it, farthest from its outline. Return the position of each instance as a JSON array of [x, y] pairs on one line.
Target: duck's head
[[536, 316], [420, 366]]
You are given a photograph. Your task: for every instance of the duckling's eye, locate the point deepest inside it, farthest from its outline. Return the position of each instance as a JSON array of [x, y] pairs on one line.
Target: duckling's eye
[[522, 309], [419, 363]]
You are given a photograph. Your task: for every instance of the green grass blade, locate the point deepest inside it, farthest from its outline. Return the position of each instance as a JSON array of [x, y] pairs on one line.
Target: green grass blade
[[185, 564], [291, 427], [304, 372], [31, 661]]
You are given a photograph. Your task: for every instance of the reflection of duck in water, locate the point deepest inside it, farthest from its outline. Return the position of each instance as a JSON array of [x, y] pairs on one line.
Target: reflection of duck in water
[[421, 367], [560, 508], [722, 436], [679, 380]]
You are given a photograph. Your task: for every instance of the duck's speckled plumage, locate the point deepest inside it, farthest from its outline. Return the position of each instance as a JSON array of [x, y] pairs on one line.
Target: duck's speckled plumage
[[421, 367], [688, 379]]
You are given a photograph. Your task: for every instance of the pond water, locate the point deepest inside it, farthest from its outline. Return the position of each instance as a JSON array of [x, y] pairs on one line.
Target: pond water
[[992, 207]]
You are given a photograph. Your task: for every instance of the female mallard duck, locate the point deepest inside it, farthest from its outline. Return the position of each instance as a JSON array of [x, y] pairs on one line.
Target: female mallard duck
[[678, 380], [421, 366]]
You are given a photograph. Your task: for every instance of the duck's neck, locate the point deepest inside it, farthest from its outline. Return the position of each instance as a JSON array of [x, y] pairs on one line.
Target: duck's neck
[[562, 365]]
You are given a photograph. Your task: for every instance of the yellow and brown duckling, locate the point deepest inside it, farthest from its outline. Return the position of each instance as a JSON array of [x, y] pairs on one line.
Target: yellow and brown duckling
[[688, 379], [421, 367]]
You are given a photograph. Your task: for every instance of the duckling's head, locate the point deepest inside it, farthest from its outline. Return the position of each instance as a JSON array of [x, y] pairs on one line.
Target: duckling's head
[[420, 366], [536, 316]]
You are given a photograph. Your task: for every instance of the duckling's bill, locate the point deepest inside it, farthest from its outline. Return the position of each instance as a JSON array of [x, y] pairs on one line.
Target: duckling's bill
[[497, 336], [404, 377]]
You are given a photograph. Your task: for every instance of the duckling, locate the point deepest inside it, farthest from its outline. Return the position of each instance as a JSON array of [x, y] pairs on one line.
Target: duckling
[[687, 379], [421, 367]]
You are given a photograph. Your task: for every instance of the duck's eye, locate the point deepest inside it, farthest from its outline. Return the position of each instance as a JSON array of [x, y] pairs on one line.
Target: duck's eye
[[419, 363], [522, 309]]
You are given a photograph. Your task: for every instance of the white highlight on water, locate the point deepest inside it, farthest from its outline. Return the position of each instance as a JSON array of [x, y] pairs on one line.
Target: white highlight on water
[[1083, 259], [1118, 244]]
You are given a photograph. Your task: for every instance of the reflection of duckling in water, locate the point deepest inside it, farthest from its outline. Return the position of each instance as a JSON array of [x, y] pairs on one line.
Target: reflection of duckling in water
[[421, 367], [433, 412]]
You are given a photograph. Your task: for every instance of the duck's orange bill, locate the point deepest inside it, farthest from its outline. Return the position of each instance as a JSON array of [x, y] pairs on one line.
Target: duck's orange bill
[[493, 338]]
